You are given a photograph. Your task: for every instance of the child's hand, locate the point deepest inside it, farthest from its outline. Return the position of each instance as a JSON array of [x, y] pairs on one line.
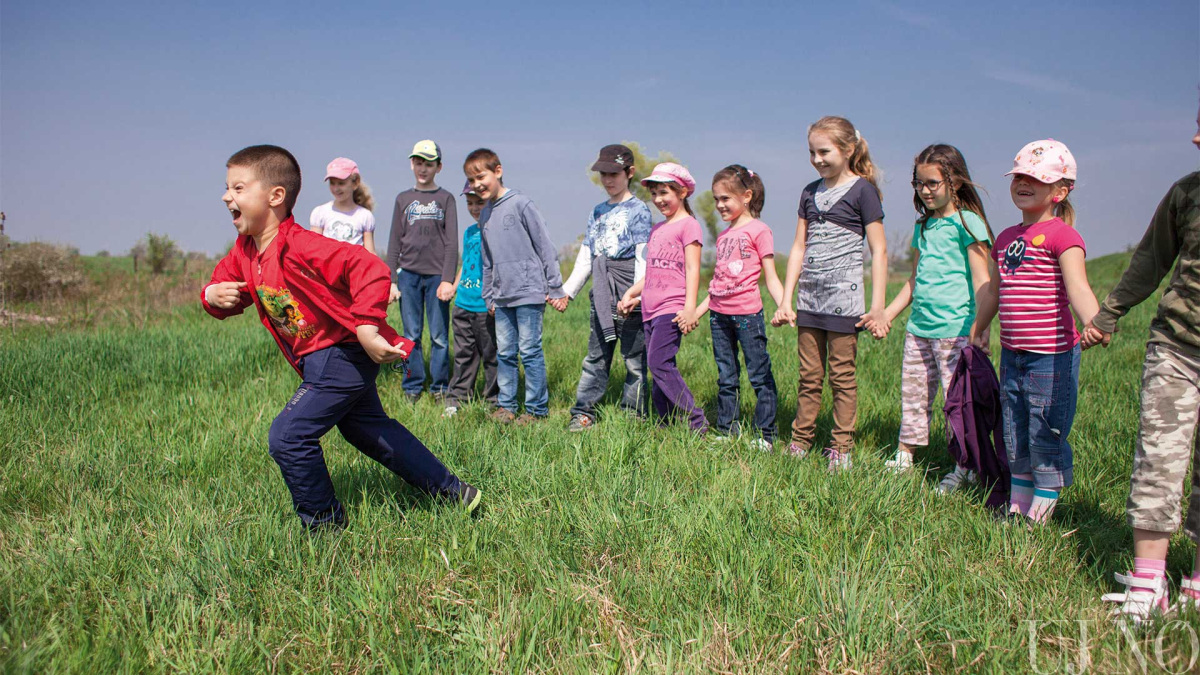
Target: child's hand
[[557, 303], [982, 340], [224, 295], [784, 315], [686, 321], [394, 294], [1093, 336], [378, 348], [492, 310], [877, 322], [445, 291], [626, 306]]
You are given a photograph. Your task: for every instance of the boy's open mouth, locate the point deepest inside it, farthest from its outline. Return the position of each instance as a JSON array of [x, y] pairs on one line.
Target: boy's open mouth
[[235, 213]]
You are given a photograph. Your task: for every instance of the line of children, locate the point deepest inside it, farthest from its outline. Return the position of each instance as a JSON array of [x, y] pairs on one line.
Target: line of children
[[348, 216], [423, 256], [613, 254]]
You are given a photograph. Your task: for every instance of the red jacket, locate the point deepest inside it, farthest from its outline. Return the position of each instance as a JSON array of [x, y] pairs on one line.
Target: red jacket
[[337, 287]]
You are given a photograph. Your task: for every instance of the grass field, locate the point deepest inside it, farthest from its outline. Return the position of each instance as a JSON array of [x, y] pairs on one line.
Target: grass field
[[143, 527]]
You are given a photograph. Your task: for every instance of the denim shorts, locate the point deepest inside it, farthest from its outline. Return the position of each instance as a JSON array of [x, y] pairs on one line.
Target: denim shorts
[[1038, 395]]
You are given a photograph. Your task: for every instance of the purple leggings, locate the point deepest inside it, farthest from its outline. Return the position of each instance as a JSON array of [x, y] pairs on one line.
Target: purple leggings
[[669, 392]]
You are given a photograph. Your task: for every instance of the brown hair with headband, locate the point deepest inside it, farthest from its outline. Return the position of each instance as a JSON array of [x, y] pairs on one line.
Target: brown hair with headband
[[739, 179]]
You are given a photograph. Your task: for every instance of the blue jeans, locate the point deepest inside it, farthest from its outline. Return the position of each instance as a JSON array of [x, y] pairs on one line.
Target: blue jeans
[[593, 380], [1038, 396], [728, 331], [520, 328], [339, 390], [418, 300]]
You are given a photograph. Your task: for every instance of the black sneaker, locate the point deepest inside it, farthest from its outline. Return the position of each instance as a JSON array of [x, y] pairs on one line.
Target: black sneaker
[[469, 496]]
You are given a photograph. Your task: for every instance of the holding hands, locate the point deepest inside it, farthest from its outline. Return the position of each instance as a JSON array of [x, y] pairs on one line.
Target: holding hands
[[626, 304], [687, 321], [445, 291], [878, 322], [785, 314], [558, 303], [1093, 336]]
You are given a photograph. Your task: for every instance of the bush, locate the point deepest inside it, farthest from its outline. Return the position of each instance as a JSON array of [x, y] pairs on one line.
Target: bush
[[36, 271], [160, 252], [103, 254]]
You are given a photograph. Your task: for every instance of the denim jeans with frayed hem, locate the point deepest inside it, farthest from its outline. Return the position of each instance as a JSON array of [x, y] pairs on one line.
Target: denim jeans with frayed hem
[[1038, 395], [519, 330]]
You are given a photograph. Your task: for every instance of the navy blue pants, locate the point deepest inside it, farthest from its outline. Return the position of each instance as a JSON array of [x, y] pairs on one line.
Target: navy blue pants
[[749, 331], [339, 390]]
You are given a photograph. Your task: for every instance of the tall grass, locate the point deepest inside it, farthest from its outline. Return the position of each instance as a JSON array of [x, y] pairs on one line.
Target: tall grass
[[143, 527]]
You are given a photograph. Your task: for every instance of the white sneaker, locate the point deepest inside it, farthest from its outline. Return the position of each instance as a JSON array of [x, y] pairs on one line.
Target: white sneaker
[[762, 445], [839, 461], [1184, 603], [450, 411], [955, 480], [903, 461], [1140, 603]]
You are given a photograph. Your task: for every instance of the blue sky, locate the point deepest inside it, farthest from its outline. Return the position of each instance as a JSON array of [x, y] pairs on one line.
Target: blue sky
[[116, 118]]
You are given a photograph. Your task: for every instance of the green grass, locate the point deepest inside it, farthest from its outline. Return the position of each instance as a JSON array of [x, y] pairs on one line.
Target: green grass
[[143, 527]]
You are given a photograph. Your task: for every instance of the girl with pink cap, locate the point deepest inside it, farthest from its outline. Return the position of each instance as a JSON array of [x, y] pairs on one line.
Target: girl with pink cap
[[348, 216], [1038, 277], [668, 291]]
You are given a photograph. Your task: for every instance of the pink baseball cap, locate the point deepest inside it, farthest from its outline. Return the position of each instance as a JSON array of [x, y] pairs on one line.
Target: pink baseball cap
[[1048, 161], [670, 172], [340, 168]]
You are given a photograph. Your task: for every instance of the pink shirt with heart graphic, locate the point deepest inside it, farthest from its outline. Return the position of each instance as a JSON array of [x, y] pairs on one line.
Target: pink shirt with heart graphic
[[740, 251]]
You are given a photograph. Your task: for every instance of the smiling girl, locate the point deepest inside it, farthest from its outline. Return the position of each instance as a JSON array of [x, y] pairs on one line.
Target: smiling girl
[[826, 260], [1040, 268], [951, 239], [348, 217], [745, 252]]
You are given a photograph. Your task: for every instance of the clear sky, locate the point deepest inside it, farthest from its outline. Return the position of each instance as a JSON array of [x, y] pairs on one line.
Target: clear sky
[[116, 118]]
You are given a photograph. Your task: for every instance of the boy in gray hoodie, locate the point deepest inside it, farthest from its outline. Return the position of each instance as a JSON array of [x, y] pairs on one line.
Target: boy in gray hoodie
[[520, 275]]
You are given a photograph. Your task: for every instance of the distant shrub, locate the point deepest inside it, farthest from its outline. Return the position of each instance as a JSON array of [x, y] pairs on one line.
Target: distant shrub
[[161, 251], [103, 254], [36, 271]]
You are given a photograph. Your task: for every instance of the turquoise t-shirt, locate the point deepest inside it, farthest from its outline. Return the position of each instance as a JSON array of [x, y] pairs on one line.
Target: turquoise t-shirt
[[469, 296], [943, 304]]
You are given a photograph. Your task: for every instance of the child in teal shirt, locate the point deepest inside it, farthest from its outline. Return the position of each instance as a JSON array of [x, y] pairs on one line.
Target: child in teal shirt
[[474, 328]]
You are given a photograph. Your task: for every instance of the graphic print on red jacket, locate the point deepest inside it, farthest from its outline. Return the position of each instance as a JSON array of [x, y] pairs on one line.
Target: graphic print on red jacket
[[311, 291]]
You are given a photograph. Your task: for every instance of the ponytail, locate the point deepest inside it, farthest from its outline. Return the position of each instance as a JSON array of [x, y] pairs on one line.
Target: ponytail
[[853, 145], [741, 179], [1064, 209], [362, 194]]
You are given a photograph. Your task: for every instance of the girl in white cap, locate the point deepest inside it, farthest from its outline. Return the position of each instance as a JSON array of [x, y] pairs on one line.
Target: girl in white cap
[[1039, 273], [348, 217]]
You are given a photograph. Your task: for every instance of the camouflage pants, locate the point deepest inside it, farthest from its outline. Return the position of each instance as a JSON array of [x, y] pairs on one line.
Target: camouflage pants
[[1167, 439], [927, 362]]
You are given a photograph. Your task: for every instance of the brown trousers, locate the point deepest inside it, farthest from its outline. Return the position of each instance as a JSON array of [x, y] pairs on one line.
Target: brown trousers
[[816, 348]]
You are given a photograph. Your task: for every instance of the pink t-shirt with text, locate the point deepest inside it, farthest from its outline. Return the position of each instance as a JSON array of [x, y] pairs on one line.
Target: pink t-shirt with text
[[1035, 313], [665, 290], [740, 250]]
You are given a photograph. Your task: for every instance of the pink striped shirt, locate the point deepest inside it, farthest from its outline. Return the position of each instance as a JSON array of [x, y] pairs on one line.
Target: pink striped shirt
[[1035, 313]]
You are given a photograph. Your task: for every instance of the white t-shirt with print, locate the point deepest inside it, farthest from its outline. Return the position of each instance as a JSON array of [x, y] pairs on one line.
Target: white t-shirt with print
[[347, 227]]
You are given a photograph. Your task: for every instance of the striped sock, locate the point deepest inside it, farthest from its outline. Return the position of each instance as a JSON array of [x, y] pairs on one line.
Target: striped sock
[[1044, 501], [1021, 494]]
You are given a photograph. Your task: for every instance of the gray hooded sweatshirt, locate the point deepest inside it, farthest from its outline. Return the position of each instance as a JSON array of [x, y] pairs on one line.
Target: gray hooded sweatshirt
[[520, 263]]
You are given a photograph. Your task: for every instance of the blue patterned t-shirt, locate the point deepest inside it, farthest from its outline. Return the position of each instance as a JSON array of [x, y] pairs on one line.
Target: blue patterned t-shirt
[[615, 230], [470, 285]]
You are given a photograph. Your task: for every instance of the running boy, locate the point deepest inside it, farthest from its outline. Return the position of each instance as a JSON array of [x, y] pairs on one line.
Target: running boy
[[423, 256], [325, 303], [520, 275]]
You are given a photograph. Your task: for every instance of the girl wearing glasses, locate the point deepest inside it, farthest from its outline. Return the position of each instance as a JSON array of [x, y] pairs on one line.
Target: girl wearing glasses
[[836, 213], [951, 241]]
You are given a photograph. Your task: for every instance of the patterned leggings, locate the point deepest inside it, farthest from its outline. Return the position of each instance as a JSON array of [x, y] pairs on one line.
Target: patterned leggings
[[927, 361]]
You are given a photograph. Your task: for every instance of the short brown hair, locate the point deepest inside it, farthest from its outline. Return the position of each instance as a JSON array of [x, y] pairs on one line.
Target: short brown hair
[[484, 157], [274, 166]]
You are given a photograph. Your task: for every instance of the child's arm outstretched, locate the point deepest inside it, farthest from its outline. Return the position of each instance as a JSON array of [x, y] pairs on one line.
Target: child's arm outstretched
[[1079, 292], [688, 317], [899, 303], [785, 313], [877, 241]]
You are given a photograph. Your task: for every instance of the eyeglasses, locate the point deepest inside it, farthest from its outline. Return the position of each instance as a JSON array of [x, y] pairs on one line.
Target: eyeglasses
[[932, 186]]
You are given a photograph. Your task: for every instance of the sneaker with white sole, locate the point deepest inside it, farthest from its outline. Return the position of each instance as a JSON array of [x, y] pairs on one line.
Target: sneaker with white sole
[[955, 480], [1185, 603], [762, 445], [796, 450], [1142, 601], [839, 461], [903, 461]]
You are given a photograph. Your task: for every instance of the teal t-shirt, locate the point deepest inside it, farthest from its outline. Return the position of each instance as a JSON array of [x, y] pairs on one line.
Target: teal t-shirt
[[943, 304], [470, 285]]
